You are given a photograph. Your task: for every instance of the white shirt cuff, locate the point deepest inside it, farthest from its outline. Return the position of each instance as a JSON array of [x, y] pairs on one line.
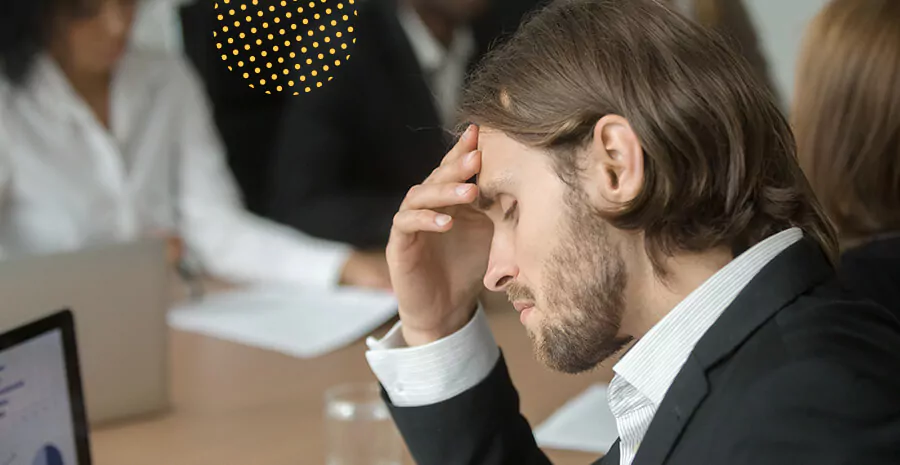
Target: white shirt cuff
[[435, 372], [324, 266]]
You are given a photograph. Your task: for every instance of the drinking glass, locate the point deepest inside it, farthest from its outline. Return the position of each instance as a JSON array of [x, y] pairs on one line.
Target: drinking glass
[[358, 427]]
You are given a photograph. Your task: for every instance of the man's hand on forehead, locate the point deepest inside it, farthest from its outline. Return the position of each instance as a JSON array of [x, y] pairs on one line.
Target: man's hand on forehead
[[439, 246]]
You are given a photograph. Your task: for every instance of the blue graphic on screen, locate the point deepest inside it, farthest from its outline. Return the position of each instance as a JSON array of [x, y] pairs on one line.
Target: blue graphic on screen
[[49, 455], [36, 426], [7, 390]]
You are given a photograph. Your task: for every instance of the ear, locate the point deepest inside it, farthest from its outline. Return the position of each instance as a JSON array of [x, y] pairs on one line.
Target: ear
[[615, 164]]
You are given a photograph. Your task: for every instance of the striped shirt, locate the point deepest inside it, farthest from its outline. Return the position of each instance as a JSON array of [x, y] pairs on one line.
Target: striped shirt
[[646, 372]]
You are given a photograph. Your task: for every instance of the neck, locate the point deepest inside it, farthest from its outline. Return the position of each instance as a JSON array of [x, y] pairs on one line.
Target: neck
[[440, 25], [92, 87], [89, 86], [653, 301]]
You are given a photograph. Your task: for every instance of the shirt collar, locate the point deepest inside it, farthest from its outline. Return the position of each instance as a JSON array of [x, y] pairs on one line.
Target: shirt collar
[[655, 360], [429, 52], [50, 87]]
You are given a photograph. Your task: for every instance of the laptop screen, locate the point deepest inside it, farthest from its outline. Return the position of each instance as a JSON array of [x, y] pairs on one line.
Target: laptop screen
[[36, 416]]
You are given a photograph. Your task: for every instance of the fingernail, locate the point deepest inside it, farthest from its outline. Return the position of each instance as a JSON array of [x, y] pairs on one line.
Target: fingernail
[[468, 132], [470, 157], [442, 220], [463, 189]]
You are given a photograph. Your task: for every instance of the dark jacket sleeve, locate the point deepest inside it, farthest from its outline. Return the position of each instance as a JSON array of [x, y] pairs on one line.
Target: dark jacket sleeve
[[308, 181], [481, 426], [818, 412]]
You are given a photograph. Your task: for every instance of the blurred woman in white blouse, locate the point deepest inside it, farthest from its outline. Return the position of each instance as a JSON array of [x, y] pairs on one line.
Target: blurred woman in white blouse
[[103, 144]]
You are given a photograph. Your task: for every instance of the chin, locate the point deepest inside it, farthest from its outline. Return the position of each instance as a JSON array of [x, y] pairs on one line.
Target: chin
[[573, 349]]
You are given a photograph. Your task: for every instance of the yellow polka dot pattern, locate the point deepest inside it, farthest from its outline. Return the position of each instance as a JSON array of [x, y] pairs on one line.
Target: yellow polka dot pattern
[[294, 45]]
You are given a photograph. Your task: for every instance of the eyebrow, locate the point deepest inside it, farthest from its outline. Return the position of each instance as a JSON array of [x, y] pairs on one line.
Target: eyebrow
[[487, 194]]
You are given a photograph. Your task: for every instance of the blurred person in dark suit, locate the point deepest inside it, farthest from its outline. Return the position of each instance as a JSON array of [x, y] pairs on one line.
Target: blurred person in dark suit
[[847, 119], [633, 193], [248, 119], [349, 151], [100, 143]]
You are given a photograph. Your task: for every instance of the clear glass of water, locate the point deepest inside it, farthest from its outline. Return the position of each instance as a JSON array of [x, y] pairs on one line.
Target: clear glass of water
[[358, 427]]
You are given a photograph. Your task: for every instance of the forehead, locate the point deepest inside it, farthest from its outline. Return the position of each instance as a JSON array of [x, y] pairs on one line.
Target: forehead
[[498, 155], [504, 159]]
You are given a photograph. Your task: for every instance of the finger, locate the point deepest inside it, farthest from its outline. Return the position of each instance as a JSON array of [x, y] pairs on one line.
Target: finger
[[460, 171], [439, 196], [466, 143], [415, 221]]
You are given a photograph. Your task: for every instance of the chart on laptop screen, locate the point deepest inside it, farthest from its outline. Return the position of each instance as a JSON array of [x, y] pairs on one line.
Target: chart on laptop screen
[[35, 412]]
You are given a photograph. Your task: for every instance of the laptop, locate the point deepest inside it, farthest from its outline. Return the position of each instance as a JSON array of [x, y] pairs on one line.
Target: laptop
[[42, 418], [119, 294]]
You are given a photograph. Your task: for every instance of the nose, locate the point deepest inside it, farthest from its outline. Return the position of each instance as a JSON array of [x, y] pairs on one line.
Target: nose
[[502, 269]]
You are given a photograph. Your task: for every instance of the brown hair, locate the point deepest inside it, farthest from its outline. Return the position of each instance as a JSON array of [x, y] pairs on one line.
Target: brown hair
[[720, 166], [847, 114]]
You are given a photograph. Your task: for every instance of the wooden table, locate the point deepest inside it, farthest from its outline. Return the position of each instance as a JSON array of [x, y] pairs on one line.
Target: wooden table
[[233, 404]]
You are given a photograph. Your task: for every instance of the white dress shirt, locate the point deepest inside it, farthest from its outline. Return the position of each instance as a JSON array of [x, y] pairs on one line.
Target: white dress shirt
[[444, 67], [157, 26], [67, 182], [438, 371], [644, 374]]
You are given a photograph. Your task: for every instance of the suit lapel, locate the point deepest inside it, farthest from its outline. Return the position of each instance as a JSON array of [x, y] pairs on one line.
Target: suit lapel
[[611, 457], [793, 272], [684, 396]]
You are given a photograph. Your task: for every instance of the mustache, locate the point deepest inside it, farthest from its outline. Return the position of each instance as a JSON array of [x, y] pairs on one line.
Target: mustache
[[517, 292]]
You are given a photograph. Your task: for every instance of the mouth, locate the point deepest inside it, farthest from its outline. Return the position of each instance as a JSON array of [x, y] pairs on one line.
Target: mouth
[[524, 309], [522, 305]]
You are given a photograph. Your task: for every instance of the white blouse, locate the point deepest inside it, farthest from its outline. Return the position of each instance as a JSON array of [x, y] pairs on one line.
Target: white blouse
[[66, 182]]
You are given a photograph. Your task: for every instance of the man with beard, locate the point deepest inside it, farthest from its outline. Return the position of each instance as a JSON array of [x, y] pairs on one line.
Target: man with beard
[[635, 185]]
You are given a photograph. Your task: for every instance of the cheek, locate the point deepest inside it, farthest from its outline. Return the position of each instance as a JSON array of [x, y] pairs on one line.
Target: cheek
[[541, 208], [536, 239]]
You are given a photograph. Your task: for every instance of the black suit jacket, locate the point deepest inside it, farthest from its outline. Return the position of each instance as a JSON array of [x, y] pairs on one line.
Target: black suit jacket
[[246, 118], [349, 151], [873, 271], [793, 372]]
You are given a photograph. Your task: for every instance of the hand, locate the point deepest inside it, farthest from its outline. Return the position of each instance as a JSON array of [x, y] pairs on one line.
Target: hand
[[174, 246], [439, 245], [174, 250], [366, 269]]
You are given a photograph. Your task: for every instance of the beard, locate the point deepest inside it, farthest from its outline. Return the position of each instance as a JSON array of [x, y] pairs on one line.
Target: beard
[[583, 294]]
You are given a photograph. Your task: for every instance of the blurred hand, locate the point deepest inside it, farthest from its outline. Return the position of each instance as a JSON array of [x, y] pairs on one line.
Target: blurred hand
[[174, 246], [366, 269], [439, 245]]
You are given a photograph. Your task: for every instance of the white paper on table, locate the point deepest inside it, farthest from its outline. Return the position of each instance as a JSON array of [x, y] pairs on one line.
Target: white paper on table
[[301, 322], [584, 423]]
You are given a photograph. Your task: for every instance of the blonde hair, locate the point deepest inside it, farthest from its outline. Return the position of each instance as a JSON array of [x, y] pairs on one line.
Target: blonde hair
[[847, 114]]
